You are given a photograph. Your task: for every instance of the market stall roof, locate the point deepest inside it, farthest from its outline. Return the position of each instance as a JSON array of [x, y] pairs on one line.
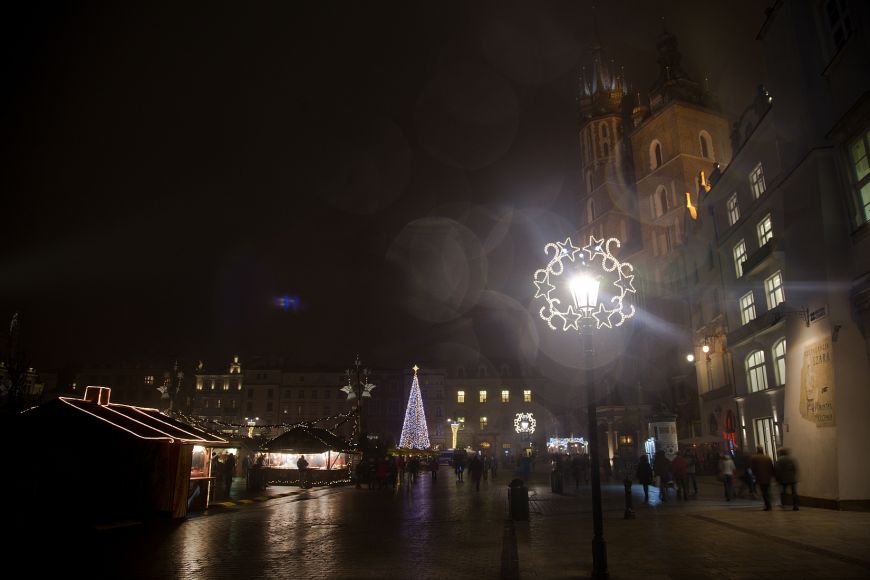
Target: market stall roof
[[306, 439], [140, 422]]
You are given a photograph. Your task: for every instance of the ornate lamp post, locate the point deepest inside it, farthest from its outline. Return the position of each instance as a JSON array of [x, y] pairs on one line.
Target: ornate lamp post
[[358, 388], [595, 293]]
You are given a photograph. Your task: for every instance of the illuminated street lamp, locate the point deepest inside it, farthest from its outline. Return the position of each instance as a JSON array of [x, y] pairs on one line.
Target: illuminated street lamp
[[454, 428], [597, 293]]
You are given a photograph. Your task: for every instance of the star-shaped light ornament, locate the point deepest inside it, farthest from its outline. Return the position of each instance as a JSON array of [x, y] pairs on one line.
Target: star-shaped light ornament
[[594, 248], [571, 318], [554, 284], [602, 316], [567, 249], [544, 289]]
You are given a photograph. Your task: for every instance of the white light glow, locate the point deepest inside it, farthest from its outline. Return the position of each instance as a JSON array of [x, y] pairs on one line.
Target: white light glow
[[690, 357]]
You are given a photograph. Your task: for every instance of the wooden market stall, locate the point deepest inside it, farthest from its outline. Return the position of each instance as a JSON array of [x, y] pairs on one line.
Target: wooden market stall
[[106, 461], [327, 455]]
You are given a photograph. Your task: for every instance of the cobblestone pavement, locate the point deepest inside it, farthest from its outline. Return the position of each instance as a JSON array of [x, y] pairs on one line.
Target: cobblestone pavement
[[449, 530]]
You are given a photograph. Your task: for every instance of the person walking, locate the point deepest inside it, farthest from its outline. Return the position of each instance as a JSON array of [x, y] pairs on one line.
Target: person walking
[[726, 472], [433, 467], [475, 467], [229, 471], [786, 475], [762, 469], [680, 469], [217, 475], [644, 475], [662, 471], [691, 470], [302, 466]]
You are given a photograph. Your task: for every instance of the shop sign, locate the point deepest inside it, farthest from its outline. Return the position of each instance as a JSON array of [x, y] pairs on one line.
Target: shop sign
[[817, 384]]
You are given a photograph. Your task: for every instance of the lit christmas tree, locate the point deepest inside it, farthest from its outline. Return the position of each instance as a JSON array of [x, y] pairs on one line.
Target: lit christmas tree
[[415, 434]]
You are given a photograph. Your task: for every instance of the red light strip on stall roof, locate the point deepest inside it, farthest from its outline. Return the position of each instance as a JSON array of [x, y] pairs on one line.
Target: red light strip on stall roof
[[196, 438], [121, 427], [166, 436]]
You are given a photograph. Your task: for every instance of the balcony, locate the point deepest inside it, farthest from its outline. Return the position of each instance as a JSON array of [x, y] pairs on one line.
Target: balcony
[[764, 321], [761, 256]]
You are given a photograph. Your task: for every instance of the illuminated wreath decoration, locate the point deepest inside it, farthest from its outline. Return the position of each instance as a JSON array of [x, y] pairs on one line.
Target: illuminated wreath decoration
[[609, 316], [518, 423]]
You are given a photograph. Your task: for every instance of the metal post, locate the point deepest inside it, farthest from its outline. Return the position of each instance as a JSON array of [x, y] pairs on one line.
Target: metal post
[[599, 547]]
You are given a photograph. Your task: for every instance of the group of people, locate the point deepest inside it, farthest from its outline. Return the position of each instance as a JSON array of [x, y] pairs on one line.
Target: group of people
[[681, 473], [761, 471], [389, 471]]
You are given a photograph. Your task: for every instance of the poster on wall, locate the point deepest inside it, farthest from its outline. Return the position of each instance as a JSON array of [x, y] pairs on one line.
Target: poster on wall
[[817, 384]]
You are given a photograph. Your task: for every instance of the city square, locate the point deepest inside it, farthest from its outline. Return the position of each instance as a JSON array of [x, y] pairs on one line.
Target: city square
[[472, 290]]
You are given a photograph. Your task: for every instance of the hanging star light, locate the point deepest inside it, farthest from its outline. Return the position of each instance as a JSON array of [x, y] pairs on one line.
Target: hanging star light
[[580, 281], [524, 423]]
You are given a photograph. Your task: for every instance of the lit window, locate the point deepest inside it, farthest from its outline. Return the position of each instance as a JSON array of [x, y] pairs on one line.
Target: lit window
[[756, 374], [505, 396], [756, 181], [773, 290], [739, 257], [460, 419], [482, 423], [527, 396], [779, 361], [149, 379], [765, 230], [199, 383], [226, 384], [460, 396], [733, 210], [859, 152], [747, 308], [482, 396], [218, 403]]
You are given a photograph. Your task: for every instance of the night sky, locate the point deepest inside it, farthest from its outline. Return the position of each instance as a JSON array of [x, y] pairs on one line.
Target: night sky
[[172, 169]]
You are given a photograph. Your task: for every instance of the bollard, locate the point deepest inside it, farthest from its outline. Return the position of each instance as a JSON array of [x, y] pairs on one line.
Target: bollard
[[629, 509], [518, 500]]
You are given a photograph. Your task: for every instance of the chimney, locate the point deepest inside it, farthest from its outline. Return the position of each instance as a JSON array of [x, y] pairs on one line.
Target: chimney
[[98, 395]]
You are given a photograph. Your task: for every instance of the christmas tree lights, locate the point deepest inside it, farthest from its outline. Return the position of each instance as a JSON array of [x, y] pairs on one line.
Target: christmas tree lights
[[415, 434]]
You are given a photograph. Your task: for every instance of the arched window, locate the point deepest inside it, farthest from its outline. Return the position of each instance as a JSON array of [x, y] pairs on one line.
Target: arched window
[[713, 424], [706, 145], [779, 361], [590, 210], [756, 373], [655, 155], [605, 139], [660, 201]]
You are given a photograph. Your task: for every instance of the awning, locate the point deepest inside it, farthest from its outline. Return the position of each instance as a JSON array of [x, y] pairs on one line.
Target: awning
[[305, 439]]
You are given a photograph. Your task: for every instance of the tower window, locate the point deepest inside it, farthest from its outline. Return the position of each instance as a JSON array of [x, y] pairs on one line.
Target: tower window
[[706, 145], [655, 155]]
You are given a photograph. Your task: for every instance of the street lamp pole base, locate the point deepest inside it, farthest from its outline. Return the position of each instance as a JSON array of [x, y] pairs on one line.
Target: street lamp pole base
[[599, 559]]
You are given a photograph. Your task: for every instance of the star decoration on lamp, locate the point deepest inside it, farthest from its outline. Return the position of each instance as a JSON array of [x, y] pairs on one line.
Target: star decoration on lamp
[[567, 249], [525, 423], [580, 283]]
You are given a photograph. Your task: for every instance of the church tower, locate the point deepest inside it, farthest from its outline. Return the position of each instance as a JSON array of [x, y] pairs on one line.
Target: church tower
[[607, 204]]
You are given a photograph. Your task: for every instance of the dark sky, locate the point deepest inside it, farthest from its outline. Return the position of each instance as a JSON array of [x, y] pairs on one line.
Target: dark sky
[[172, 168]]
